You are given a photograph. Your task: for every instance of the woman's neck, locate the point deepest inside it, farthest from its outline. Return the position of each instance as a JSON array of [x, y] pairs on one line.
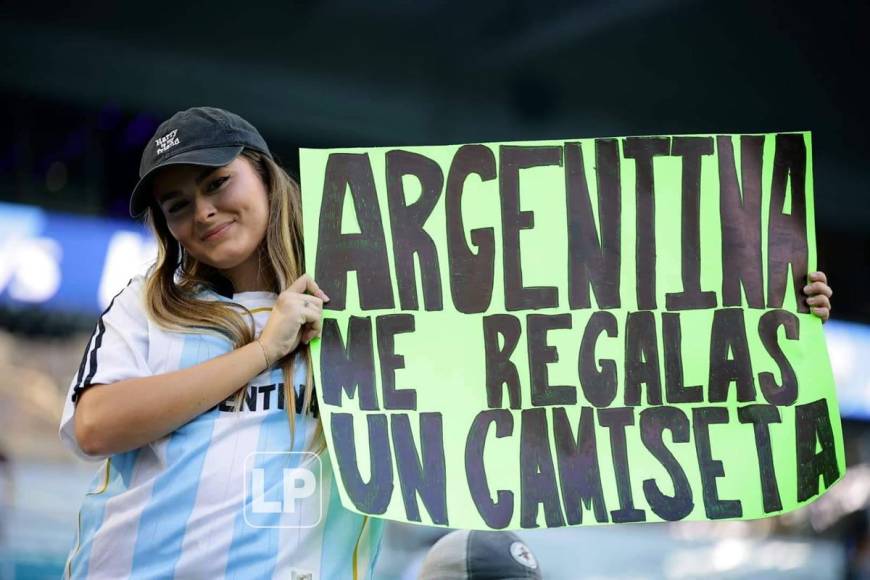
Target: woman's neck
[[249, 276]]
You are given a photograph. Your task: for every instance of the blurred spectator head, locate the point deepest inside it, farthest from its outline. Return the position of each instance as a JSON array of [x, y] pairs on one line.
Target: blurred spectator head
[[479, 555]]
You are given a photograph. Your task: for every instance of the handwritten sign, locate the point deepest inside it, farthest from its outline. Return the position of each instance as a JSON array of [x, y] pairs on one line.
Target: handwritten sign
[[577, 332]]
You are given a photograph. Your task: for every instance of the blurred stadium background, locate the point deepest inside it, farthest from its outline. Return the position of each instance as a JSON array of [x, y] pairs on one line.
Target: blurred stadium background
[[84, 85]]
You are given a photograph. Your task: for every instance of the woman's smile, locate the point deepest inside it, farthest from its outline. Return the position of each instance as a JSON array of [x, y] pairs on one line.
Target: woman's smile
[[218, 232]]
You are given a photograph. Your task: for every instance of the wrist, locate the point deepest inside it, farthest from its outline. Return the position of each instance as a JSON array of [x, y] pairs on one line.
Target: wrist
[[271, 351], [268, 358]]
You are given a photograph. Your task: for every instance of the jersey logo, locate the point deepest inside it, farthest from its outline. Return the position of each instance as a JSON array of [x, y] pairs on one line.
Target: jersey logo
[[258, 398]]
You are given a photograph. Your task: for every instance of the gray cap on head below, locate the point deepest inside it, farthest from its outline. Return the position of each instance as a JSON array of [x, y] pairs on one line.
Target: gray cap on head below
[[479, 555]]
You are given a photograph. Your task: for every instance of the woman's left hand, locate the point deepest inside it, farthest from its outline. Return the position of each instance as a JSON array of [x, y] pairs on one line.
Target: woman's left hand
[[819, 295]]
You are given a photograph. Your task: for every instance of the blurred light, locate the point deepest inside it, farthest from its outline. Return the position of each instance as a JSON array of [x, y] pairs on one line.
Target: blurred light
[[729, 554], [68, 263], [738, 558], [849, 347], [129, 254], [36, 272]]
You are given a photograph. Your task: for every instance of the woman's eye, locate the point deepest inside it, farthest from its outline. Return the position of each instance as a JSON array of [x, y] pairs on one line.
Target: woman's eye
[[217, 183], [178, 206]]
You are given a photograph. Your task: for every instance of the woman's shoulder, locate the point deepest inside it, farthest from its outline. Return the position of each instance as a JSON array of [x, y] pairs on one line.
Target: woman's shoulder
[[127, 305], [132, 294]]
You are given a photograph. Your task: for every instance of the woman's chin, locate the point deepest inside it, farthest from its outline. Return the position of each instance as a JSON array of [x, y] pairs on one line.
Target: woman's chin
[[223, 262], [229, 255]]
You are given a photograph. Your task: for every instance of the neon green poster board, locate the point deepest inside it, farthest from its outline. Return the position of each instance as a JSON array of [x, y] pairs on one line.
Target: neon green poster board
[[558, 333]]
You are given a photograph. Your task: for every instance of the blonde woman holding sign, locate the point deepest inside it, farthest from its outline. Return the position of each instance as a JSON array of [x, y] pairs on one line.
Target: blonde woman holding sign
[[196, 386], [198, 376]]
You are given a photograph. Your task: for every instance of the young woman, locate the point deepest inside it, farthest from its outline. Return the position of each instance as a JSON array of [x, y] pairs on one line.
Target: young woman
[[196, 386], [197, 379]]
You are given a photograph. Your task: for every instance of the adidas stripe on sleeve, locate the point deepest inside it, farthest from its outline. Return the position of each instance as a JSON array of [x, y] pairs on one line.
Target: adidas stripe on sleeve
[[117, 350]]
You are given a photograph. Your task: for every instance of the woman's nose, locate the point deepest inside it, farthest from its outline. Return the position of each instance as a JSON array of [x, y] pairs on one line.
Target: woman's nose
[[204, 210]]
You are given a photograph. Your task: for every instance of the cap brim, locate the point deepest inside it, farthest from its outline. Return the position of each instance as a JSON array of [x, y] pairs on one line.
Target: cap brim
[[214, 157]]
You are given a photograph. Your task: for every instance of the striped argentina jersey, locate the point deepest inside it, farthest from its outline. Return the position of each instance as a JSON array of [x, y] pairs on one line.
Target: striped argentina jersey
[[223, 496]]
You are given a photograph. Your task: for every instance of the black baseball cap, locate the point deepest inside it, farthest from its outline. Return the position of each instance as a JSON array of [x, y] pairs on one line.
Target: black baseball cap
[[205, 136], [479, 555]]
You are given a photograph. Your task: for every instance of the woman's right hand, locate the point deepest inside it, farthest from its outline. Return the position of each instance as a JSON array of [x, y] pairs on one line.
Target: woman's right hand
[[297, 316]]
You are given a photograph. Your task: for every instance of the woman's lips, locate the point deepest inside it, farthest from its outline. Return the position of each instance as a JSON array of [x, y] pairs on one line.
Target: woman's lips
[[216, 232]]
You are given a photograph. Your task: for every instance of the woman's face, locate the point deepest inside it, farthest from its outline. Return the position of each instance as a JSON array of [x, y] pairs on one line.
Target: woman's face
[[219, 215]]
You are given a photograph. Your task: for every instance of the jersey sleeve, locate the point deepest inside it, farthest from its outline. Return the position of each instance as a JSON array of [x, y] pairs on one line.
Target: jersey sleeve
[[117, 350]]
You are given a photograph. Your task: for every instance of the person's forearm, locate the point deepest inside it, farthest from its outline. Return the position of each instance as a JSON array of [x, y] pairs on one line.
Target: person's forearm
[[129, 414]]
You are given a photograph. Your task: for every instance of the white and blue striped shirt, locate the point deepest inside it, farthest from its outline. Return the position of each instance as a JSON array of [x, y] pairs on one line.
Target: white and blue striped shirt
[[209, 499]]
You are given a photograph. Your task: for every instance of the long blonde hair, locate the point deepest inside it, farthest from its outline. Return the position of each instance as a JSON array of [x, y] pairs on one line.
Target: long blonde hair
[[176, 279]]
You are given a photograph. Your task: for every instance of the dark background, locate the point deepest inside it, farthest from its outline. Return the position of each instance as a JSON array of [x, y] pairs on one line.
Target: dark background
[[84, 86]]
